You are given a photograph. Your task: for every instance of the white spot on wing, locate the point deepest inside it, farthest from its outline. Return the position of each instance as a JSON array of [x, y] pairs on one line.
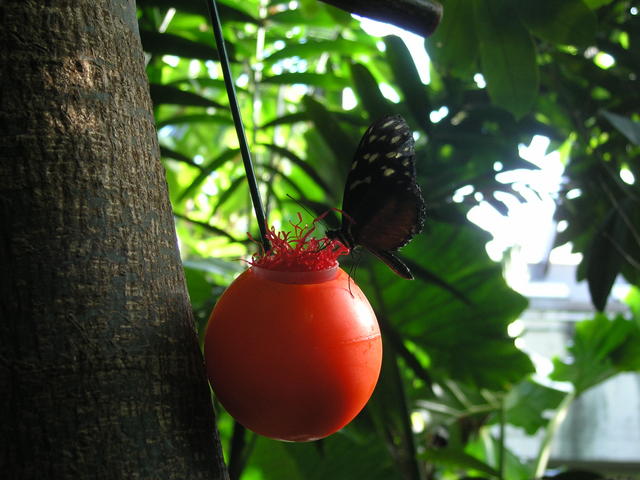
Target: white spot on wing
[[360, 182]]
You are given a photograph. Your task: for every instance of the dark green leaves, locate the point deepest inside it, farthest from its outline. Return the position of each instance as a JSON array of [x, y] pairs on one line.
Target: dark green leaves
[[407, 77], [444, 325], [169, 44], [603, 262], [568, 22], [507, 55], [612, 248], [166, 94], [454, 46], [624, 125], [498, 34], [369, 93]]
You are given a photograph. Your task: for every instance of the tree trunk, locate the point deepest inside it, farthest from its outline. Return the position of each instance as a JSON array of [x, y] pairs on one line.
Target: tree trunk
[[101, 376]]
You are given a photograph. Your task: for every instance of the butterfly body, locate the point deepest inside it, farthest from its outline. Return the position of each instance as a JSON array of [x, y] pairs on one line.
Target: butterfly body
[[382, 204]]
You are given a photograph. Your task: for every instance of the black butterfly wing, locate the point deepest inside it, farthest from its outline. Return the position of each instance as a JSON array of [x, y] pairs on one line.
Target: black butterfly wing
[[382, 201]]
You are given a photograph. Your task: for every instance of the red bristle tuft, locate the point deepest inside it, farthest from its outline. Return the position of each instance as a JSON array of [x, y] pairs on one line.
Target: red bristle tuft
[[297, 251]]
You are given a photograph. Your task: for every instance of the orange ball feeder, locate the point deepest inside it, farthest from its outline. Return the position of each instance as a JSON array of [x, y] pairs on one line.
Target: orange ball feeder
[[293, 348]]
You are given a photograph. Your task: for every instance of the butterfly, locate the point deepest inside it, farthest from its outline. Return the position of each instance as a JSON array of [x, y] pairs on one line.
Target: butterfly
[[382, 205]]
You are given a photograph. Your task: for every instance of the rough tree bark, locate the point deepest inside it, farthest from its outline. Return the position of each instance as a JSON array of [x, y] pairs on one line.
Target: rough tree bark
[[100, 372]]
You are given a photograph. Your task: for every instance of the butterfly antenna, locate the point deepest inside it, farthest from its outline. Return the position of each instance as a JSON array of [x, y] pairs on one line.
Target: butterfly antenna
[[309, 212]]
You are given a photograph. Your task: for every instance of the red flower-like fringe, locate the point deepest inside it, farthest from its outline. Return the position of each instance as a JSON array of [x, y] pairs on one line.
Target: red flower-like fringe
[[297, 251]]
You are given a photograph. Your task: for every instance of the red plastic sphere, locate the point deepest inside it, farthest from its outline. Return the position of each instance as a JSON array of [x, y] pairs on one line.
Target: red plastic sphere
[[289, 360]]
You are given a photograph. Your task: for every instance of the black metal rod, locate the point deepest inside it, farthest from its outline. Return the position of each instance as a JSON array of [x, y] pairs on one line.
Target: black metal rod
[[237, 120]]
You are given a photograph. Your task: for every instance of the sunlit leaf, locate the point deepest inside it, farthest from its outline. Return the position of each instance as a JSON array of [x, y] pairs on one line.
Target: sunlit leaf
[[315, 48], [213, 265], [216, 163], [307, 168], [198, 7], [323, 80], [172, 154]]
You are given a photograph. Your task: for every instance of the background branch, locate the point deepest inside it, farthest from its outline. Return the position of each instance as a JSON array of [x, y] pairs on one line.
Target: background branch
[[417, 16]]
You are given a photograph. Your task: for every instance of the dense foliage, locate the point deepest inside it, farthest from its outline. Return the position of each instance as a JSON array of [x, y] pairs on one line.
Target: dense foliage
[[310, 80]]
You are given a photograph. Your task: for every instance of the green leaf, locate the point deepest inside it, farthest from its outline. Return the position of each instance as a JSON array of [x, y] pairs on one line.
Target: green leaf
[[315, 48], [431, 278], [198, 7], [457, 458], [342, 456], [216, 163], [568, 22], [508, 56], [213, 265], [527, 402], [366, 87], [454, 45], [163, 94], [407, 77], [442, 325], [297, 17], [329, 128], [391, 416], [228, 193], [196, 119], [633, 300], [169, 44], [200, 290], [323, 80], [603, 260], [172, 154], [601, 349], [205, 82], [595, 4], [624, 125], [296, 160], [287, 119], [286, 179]]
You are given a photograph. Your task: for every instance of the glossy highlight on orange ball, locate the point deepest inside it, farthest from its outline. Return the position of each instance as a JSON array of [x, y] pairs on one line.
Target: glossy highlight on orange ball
[[293, 355]]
